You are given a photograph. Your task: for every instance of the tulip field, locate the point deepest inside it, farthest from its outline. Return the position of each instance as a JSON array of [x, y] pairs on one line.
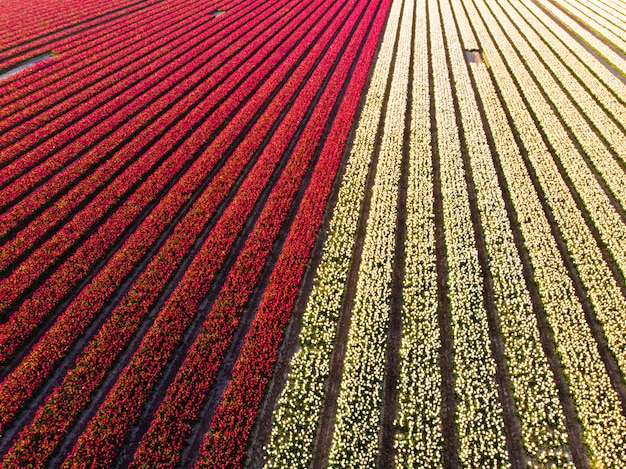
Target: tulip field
[[317, 233]]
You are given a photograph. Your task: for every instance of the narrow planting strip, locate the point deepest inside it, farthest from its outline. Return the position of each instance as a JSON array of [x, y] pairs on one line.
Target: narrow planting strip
[[389, 410], [419, 441]]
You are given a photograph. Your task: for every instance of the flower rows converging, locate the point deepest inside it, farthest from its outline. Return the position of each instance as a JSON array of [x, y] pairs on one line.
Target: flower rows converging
[[500, 241], [318, 233], [575, 344], [82, 310], [179, 164]]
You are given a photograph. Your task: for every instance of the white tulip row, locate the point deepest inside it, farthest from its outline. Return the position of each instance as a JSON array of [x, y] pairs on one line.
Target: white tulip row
[[615, 59], [357, 424], [604, 293], [298, 411], [543, 432], [595, 21], [419, 440], [591, 144], [608, 12], [597, 404], [479, 419], [606, 218], [602, 84], [616, 7]]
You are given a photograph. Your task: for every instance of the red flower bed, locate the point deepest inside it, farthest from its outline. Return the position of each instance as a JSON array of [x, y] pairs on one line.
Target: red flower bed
[[178, 412], [110, 195], [226, 442], [107, 430], [114, 108], [53, 346], [163, 157]]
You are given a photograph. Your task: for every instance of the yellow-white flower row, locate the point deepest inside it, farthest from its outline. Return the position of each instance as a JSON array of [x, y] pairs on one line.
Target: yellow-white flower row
[[605, 217], [601, 287], [591, 39], [479, 417], [357, 425], [298, 411], [419, 440], [591, 18], [602, 84], [597, 404], [543, 432]]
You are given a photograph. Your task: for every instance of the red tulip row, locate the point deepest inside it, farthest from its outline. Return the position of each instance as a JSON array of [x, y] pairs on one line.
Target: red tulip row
[[56, 41], [226, 442], [45, 298], [85, 52], [80, 113], [89, 58], [18, 25], [49, 251], [100, 177], [108, 428], [112, 338], [179, 410]]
